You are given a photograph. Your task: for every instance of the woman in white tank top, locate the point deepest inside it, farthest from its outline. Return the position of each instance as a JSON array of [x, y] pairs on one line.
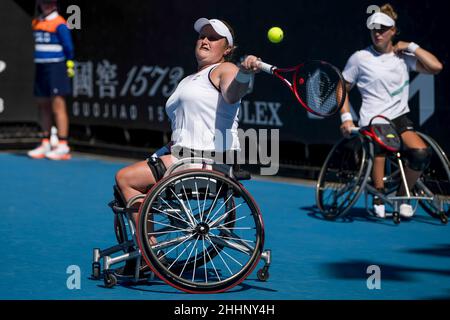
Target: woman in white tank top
[[204, 108], [381, 73]]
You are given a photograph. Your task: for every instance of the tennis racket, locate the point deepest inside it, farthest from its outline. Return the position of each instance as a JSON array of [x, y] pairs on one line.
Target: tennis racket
[[318, 85], [384, 132]]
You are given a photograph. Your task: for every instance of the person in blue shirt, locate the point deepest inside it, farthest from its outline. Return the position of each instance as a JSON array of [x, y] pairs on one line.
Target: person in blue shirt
[[53, 56]]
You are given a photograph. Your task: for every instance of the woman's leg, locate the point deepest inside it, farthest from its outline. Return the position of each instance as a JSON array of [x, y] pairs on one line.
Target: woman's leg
[[378, 183], [61, 118], [135, 179], [417, 153], [378, 171], [45, 114]]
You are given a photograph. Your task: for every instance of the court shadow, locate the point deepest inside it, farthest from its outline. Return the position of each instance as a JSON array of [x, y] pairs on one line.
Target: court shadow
[[149, 286], [445, 296], [355, 215], [158, 286], [442, 250], [357, 269], [22, 154], [427, 220]]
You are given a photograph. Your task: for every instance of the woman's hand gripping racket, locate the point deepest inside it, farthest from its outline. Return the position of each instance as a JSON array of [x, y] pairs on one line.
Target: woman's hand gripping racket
[[317, 85]]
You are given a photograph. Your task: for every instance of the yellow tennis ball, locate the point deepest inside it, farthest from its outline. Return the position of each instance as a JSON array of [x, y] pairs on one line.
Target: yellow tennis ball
[[275, 34], [70, 64]]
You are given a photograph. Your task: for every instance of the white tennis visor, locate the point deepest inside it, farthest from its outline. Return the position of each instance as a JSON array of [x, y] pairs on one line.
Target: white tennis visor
[[380, 18], [217, 25]]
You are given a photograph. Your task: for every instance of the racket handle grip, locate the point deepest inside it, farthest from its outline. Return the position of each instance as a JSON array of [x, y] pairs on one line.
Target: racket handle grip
[[354, 130], [266, 67]]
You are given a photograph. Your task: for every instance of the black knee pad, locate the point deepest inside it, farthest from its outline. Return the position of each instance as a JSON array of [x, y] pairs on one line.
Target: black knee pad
[[157, 167], [418, 159]]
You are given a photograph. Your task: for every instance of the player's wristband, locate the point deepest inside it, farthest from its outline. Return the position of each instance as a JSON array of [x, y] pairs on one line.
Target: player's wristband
[[243, 77], [346, 116], [412, 47]]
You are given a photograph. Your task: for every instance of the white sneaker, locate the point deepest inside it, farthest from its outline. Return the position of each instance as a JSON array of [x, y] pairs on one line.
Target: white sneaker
[[41, 150], [61, 152], [379, 210], [406, 210]]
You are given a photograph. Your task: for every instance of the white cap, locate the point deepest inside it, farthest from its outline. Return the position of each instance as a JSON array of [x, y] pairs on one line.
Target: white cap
[[380, 18], [217, 25]]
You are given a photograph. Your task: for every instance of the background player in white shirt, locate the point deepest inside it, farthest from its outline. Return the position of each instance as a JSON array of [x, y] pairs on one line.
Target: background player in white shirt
[[381, 73]]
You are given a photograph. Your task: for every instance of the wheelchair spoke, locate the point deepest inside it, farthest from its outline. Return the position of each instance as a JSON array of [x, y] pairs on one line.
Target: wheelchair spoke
[[222, 217], [166, 225], [174, 210], [240, 264], [214, 203], [232, 235], [237, 239], [195, 264], [178, 257], [166, 244], [212, 262], [220, 256], [198, 200], [221, 227], [167, 232], [232, 221], [332, 195], [204, 201], [204, 260], [337, 192], [190, 253], [166, 253], [168, 214], [230, 244], [189, 214], [217, 211], [187, 199]]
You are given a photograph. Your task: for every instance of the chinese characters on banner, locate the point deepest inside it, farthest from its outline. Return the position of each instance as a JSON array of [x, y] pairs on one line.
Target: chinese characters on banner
[[98, 92], [100, 97]]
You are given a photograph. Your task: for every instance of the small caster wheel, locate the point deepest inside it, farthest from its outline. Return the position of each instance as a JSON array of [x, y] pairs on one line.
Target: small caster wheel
[[396, 217], [263, 274], [96, 270], [110, 280], [443, 218]]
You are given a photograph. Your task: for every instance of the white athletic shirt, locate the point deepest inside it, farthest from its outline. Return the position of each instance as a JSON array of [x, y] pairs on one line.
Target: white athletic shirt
[[200, 117], [382, 80]]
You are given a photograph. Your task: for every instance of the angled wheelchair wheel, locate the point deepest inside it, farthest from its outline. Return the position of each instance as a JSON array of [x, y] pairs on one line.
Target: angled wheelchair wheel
[[343, 176], [435, 182], [200, 231]]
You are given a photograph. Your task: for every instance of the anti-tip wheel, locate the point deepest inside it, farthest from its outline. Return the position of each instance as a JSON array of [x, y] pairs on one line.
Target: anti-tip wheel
[[263, 274], [110, 280], [396, 217], [443, 218]]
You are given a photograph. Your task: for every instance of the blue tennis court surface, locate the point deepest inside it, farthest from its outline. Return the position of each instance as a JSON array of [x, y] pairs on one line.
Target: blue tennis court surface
[[54, 213]]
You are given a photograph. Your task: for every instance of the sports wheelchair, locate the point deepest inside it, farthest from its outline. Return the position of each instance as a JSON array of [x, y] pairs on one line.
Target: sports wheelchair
[[346, 174], [199, 230]]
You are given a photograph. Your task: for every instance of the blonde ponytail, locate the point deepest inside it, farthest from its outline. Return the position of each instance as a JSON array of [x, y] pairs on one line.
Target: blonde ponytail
[[389, 10]]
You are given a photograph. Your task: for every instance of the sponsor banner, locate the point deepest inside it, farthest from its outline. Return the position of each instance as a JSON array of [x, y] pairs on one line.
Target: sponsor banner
[[131, 55]]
